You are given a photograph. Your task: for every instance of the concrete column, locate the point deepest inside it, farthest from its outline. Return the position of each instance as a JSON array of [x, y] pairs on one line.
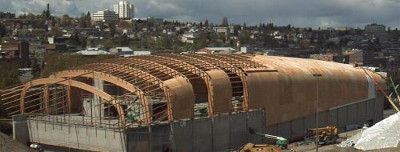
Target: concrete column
[[99, 84], [89, 104], [20, 129]]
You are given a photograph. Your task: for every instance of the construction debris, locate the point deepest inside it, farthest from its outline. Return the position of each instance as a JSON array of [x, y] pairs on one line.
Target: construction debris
[[384, 134]]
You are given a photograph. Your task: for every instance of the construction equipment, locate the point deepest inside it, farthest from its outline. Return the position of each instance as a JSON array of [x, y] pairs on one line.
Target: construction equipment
[[322, 136], [250, 147], [280, 142]]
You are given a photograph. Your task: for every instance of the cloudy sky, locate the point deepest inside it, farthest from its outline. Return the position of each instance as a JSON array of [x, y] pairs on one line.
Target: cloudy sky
[[301, 13]]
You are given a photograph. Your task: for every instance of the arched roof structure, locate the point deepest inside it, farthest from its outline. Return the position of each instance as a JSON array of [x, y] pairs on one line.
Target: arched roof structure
[[170, 85]]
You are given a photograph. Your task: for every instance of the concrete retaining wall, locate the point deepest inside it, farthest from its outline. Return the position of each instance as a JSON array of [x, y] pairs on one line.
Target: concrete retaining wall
[[224, 132], [230, 131], [76, 136], [221, 133]]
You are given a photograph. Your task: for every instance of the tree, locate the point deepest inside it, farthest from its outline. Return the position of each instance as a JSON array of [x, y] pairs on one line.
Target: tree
[[84, 20], [56, 32], [66, 20], [75, 38], [123, 40], [8, 73], [35, 68], [2, 30], [206, 23], [124, 24], [167, 42], [225, 22], [48, 14], [56, 62], [88, 16], [31, 16]]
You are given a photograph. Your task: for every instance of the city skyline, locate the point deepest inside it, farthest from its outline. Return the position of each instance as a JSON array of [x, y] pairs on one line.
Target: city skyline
[[304, 13]]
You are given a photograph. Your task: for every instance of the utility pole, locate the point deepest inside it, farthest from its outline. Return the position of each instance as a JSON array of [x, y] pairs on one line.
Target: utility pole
[[317, 110]]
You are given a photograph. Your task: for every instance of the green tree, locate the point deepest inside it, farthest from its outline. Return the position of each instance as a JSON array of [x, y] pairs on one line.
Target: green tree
[[66, 20], [8, 73], [167, 42], [56, 62], [31, 16]]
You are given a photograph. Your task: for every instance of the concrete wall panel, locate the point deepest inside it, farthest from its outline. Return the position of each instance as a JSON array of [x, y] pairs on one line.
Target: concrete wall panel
[[333, 117], [284, 130], [272, 130], [238, 130], [256, 120], [221, 135], [183, 135], [379, 105], [362, 112], [138, 139], [298, 128], [371, 110], [81, 137], [323, 119], [342, 117], [352, 114], [160, 138], [202, 135], [309, 122]]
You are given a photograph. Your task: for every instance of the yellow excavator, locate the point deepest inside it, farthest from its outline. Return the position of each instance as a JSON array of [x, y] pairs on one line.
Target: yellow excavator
[[325, 135]]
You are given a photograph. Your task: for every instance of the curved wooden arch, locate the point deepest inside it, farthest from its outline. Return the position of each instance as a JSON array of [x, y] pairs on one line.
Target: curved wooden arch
[[95, 74], [177, 65], [212, 94], [125, 66], [203, 65], [73, 83], [237, 61], [114, 68], [228, 66], [141, 64], [111, 79], [150, 80]]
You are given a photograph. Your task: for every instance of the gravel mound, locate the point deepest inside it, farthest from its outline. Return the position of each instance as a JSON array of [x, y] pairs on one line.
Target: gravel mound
[[384, 134], [9, 145]]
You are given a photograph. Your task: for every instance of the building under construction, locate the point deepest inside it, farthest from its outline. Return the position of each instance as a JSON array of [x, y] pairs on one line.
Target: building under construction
[[189, 102]]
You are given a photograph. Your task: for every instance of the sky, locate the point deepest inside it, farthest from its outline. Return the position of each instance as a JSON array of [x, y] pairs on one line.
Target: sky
[[299, 13]]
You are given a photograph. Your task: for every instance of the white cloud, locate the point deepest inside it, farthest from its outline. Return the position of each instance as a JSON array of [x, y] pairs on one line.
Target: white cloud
[[282, 12]]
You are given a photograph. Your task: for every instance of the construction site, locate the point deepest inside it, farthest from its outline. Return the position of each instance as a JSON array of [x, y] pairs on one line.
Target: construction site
[[194, 102]]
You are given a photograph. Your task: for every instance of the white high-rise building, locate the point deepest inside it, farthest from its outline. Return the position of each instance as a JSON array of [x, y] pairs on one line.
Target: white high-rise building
[[125, 10]]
